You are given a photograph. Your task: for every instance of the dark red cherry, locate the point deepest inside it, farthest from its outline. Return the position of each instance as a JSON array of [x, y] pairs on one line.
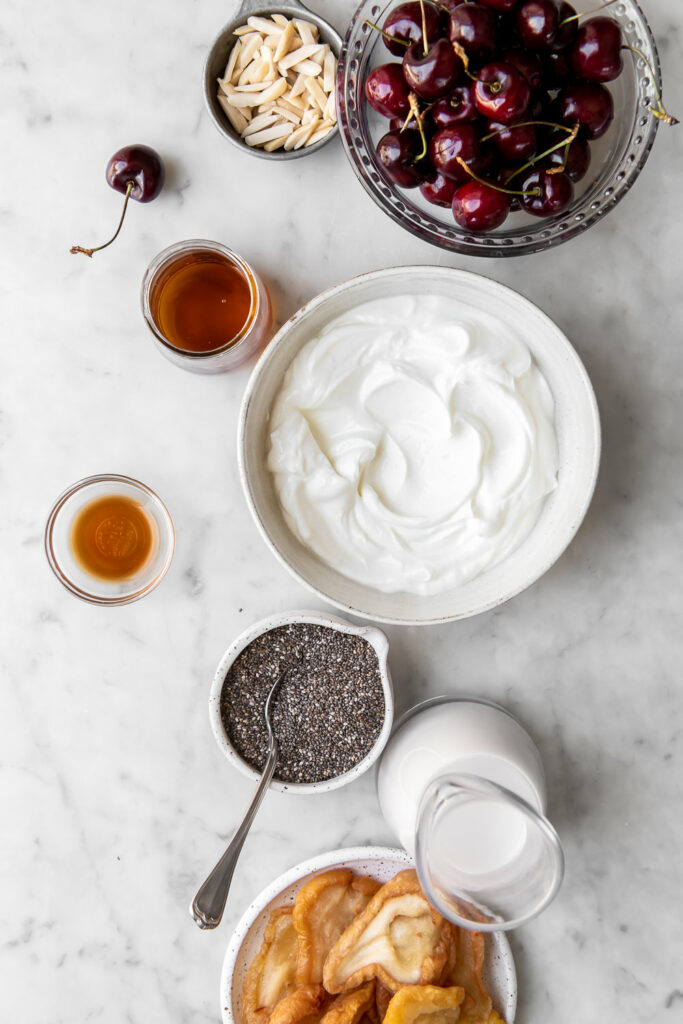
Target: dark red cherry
[[588, 103], [556, 68], [475, 28], [567, 27], [479, 208], [449, 144], [577, 160], [528, 63], [457, 107], [537, 22], [553, 192], [404, 24], [398, 152], [500, 5], [137, 172], [596, 53], [386, 90], [438, 189], [501, 92], [513, 142], [434, 74]]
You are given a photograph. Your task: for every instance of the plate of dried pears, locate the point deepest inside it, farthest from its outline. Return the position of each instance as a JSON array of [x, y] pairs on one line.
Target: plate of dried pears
[[348, 937]]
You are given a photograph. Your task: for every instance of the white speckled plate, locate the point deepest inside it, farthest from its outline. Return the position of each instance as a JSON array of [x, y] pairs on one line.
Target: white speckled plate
[[382, 863]]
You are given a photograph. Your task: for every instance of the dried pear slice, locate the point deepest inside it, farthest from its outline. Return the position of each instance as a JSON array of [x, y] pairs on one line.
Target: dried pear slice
[[302, 1006], [464, 968], [350, 1007], [398, 939], [425, 1004], [272, 972], [324, 908]]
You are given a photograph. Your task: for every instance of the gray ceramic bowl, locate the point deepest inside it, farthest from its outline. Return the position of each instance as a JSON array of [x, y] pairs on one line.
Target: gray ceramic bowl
[[218, 58]]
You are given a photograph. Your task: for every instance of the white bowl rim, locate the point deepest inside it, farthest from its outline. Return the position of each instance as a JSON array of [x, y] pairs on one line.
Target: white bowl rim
[[378, 641], [321, 862], [378, 275]]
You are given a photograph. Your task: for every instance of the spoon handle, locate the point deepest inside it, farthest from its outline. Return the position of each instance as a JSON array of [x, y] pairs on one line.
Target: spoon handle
[[209, 903]]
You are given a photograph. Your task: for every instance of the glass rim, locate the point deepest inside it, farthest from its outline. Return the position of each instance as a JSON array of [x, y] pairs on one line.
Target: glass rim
[[490, 791], [207, 245], [53, 561]]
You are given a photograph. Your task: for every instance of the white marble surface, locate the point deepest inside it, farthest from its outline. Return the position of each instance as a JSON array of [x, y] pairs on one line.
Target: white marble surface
[[114, 798]]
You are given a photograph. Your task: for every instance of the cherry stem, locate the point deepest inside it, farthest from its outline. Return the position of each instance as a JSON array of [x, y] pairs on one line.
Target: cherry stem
[[582, 14], [496, 188], [89, 252], [415, 112], [541, 156], [392, 39], [424, 27], [462, 54], [526, 124], [659, 110]]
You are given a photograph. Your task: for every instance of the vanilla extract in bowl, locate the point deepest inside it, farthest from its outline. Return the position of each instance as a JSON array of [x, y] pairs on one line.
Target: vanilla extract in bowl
[[329, 709]]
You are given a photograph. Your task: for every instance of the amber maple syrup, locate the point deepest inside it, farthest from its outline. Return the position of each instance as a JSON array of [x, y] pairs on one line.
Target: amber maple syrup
[[201, 301], [112, 537]]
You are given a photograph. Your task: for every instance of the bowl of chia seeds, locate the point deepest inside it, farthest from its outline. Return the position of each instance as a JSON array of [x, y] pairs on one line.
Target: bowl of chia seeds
[[333, 711]]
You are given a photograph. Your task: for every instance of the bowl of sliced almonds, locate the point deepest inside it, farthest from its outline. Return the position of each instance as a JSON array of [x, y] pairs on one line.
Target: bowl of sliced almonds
[[270, 80]]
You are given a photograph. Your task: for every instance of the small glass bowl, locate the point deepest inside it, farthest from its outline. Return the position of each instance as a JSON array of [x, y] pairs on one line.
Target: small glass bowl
[[58, 540], [237, 350], [616, 159]]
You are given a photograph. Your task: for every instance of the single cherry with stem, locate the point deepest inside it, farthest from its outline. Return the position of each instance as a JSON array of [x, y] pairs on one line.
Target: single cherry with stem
[[438, 189], [404, 25], [452, 147], [457, 107], [554, 192], [502, 93], [137, 172], [573, 159], [431, 70], [514, 142]]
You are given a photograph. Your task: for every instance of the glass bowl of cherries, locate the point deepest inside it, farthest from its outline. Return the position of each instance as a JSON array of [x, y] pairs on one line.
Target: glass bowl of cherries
[[498, 127]]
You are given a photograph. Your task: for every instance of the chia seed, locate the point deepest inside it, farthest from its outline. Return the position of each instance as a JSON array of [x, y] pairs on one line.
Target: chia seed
[[327, 713]]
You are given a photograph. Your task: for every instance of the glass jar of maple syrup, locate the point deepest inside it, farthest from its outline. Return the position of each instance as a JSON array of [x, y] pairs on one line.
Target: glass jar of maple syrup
[[207, 309], [109, 539]]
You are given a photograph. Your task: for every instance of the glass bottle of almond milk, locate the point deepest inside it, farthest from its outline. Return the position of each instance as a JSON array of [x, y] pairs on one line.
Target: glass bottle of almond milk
[[461, 783]]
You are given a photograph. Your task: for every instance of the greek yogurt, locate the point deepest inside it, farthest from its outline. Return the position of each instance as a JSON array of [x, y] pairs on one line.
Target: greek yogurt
[[412, 443]]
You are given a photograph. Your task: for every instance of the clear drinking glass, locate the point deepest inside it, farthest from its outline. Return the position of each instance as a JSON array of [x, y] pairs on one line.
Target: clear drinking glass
[[232, 352], [485, 857]]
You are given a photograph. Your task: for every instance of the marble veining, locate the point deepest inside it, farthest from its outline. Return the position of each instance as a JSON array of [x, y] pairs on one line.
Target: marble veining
[[114, 798]]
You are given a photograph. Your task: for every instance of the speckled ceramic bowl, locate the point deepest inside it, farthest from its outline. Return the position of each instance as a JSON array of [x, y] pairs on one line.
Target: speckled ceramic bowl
[[380, 862], [377, 640]]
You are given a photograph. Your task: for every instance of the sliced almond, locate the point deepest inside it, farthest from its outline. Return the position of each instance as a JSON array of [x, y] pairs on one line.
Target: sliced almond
[[299, 86], [289, 115], [311, 128], [288, 40], [308, 67], [307, 30], [295, 56], [234, 116], [280, 19], [251, 44], [243, 30], [316, 93], [252, 87], [232, 60], [294, 104], [320, 134], [264, 25], [259, 122], [277, 131], [275, 144], [329, 71], [330, 111]]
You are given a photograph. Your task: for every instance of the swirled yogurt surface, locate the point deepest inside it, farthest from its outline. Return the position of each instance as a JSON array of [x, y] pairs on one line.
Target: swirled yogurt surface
[[412, 443]]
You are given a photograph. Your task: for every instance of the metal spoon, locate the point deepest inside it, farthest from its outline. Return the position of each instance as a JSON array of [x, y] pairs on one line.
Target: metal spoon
[[209, 903]]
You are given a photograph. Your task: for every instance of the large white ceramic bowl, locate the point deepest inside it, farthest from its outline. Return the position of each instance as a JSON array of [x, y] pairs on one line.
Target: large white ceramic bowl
[[576, 420], [380, 862], [377, 640]]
